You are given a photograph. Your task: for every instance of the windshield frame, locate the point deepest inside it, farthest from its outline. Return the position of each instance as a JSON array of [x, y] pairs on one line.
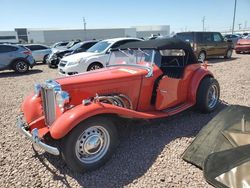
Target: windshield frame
[[148, 68]]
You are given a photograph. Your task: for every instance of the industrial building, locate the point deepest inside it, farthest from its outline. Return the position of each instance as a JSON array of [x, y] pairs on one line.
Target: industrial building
[[50, 36], [8, 36]]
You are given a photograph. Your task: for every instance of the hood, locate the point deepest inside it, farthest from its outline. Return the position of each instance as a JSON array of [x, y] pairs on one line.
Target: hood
[[78, 56], [57, 50], [103, 75], [244, 41], [123, 79]]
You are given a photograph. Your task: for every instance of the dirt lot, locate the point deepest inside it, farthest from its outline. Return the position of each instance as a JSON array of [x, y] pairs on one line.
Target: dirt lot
[[149, 155]]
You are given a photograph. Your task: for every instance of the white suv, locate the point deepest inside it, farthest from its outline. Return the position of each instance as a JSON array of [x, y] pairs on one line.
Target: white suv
[[95, 57]]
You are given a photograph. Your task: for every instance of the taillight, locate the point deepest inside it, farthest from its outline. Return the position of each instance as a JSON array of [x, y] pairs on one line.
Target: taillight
[[27, 52]]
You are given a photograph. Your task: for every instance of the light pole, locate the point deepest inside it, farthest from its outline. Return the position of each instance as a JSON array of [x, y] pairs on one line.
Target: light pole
[[85, 24], [235, 2], [203, 23]]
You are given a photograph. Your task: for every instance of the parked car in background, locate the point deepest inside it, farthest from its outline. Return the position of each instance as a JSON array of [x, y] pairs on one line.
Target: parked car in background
[[39, 52], [17, 58], [144, 80], [71, 43], [245, 35], [233, 38], [207, 44], [243, 45], [59, 44], [95, 57], [56, 55]]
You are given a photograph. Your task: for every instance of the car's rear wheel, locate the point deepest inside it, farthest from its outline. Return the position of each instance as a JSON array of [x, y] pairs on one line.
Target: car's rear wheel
[[94, 66], [229, 54], [20, 66], [208, 95], [90, 144], [237, 52], [202, 56]]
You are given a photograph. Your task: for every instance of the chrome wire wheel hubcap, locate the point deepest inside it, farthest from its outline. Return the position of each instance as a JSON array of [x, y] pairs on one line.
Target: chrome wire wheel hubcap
[[92, 144], [21, 66], [213, 96]]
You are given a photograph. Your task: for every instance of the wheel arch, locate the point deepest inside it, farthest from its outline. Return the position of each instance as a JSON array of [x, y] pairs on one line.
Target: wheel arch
[[73, 117], [18, 59], [94, 62], [198, 76]]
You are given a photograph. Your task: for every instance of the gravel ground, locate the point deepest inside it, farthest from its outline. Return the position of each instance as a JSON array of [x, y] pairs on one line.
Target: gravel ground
[[149, 154]]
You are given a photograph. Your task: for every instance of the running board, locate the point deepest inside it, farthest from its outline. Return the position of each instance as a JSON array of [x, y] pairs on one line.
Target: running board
[[177, 109]]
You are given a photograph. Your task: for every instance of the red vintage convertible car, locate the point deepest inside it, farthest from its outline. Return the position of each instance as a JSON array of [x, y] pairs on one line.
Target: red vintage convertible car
[[145, 80]]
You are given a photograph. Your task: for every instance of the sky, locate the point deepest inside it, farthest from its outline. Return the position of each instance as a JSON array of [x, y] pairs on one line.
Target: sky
[[181, 15]]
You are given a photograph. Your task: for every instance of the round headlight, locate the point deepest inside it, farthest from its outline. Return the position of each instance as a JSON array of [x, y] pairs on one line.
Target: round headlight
[[62, 98]]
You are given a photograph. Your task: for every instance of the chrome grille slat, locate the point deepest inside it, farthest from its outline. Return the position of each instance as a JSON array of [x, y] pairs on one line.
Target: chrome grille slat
[[49, 104]]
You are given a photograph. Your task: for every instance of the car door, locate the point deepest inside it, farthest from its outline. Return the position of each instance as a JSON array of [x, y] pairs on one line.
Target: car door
[[6, 55], [219, 44], [38, 52], [207, 43], [167, 93]]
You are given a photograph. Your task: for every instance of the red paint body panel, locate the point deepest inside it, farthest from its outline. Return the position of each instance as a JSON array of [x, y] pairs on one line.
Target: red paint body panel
[[74, 116], [32, 108], [124, 79], [130, 81], [243, 45]]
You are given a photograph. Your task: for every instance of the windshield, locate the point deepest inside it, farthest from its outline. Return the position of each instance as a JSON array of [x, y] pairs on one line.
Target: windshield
[[70, 44], [99, 47], [78, 45], [132, 57]]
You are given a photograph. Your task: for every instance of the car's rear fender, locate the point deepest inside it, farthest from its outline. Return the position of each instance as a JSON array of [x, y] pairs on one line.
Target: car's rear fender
[[198, 75]]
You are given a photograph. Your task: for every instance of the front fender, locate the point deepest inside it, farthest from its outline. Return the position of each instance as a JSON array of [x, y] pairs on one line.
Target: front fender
[[195, 82], [32, 108], [74, 116]]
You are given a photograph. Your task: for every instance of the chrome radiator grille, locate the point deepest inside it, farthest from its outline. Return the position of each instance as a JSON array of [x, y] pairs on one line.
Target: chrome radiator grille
[[49, 104]]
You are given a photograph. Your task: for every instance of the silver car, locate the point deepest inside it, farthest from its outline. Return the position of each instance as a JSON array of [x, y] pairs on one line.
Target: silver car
[[15, 57], [39, 52]]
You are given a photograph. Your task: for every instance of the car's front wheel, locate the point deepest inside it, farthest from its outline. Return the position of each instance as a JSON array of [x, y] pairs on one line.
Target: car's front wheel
[[208, 94], [20, 66], [94, 66], [90, 144]]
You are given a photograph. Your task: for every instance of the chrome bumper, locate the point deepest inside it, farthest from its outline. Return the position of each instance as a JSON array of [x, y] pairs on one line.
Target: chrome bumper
[[33, 136]]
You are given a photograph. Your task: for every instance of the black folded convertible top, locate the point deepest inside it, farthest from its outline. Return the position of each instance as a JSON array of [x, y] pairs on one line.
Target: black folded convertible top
[[158, 44], [162, 44]]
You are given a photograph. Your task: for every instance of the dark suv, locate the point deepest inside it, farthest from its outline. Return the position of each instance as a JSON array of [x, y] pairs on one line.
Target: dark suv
[[15, 57], [207, 44]]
